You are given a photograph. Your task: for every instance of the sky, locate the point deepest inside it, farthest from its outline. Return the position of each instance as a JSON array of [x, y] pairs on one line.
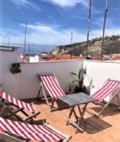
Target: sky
[[50, 22]]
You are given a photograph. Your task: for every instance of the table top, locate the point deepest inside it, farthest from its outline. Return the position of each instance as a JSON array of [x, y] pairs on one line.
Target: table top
[[76, 99]]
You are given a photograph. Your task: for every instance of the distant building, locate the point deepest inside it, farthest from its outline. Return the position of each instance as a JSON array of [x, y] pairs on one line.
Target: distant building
[[115, 57], [69, 57]]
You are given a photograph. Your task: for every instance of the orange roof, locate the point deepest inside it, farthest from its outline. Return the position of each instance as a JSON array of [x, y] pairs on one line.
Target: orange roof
[[66, 57], [96, 58], [116, 57], [69, 57]]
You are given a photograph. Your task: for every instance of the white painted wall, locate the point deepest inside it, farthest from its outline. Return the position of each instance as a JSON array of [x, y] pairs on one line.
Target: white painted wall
[[0, 67], [20, 59], [34, 59], [8, 79], [99, 72], [28, 83]]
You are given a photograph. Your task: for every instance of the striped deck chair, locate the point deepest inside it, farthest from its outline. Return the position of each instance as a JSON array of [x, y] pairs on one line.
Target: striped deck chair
[[110, 87], [14, 131], [20, 107], [50, 84]]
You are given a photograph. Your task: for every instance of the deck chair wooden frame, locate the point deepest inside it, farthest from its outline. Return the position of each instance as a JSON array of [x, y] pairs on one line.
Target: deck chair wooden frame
[[5, 105], [47, 98], [15, 136], [114, 93], [4, 137]]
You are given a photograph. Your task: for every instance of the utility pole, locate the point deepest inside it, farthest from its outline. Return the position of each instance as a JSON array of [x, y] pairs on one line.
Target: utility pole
[[25, 34], [88, 30], [112, 43], [29, 48], [105, 15], [71, 42], [32, 45], [43, 49], [71, 37]]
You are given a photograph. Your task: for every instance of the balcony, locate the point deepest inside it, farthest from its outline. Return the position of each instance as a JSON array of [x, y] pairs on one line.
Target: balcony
[[25, 85]]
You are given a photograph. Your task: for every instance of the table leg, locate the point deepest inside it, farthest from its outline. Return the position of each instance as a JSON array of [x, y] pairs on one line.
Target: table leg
[[76, 117], [84, 108], [71, 111], [81, 118], [78, 120]]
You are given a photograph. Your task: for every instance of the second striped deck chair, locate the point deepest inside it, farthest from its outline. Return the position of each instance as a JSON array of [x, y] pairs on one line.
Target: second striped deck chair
[[19, 106], [110, 87], [14, 131], [49, 83]]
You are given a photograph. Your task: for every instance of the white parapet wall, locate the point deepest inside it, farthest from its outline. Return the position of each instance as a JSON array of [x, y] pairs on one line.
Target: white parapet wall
[[9, 80], [98, 72], [0, 67], [28, 84], [25, 84]]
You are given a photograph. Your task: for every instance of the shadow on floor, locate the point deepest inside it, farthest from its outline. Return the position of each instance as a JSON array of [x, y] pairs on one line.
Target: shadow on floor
[[109, 111], [94, 125]]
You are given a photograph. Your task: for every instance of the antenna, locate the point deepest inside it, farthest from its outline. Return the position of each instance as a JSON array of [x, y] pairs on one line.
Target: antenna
[[88, 30], [29, 48], [25, 34], [71, 37], [71, 42], [112, 43], [105, 15]]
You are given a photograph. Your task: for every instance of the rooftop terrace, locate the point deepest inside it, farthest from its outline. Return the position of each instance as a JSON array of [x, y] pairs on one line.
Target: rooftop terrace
[[110, 126], [25, 85]]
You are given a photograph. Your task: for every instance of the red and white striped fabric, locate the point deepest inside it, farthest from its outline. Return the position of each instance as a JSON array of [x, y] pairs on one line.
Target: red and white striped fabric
[[109, 87], [1, 130], [17, 102], [28, 131], [52, 86]]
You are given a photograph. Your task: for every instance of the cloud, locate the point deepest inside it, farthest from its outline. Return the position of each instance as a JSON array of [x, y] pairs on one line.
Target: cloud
[[26, 4], [110, 22], [53, 35], [41, 28], [20, 2], [70, 3]]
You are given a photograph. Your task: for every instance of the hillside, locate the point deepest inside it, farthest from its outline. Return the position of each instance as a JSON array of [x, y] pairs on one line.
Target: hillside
[[111, 46]]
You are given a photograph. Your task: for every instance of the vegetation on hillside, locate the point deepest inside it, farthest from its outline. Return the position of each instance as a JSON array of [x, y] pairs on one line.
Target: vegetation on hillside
[[111, 46]]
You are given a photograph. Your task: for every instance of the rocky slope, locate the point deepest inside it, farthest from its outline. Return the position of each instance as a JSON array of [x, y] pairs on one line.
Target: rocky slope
[[111, 46]]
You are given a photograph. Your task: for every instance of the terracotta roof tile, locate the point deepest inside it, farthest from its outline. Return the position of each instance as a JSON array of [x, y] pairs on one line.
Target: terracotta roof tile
[[116, 57], [68, 57]]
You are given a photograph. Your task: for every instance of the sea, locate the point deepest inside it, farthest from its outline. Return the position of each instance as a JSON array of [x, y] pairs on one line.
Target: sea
[[35, 48]]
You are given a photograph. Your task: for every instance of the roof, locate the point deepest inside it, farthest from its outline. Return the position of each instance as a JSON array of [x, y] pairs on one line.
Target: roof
[[116, 57], [69, 57], [6, 46]]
